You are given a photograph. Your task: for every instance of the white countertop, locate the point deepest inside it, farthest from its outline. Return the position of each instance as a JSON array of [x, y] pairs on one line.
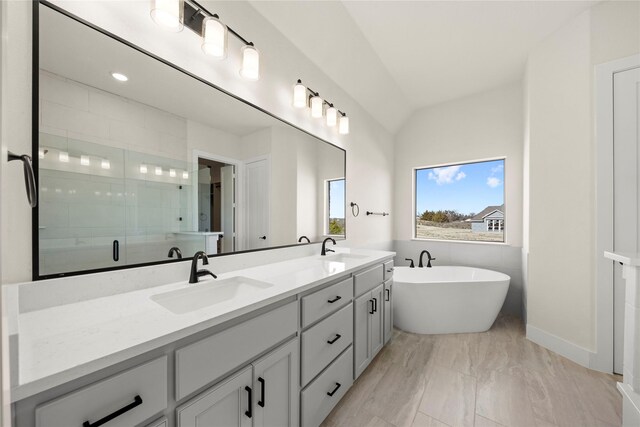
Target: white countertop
[[627, 258], [200, 233], [62, 343]]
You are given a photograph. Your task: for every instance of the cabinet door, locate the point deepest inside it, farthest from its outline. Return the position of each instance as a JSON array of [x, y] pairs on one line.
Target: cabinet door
[[275, 381], [361, 324], [228, 404], [388, 310], [377, 320]]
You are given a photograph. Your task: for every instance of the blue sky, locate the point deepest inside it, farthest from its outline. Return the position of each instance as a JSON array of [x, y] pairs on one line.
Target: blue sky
[[336, 207], [465, 188]]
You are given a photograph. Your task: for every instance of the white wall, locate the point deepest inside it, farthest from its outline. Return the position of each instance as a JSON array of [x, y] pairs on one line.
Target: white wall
[[560, 274], [481, 126], [369, 146]]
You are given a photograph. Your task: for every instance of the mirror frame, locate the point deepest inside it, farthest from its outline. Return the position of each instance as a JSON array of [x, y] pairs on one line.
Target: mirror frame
[[35, 141]]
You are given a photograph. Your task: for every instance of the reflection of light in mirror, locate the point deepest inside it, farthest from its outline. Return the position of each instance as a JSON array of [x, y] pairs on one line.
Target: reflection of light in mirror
[[119, 77], [185, 175], [105, 164], [172, 173], [143, 168], [168, 14], [97, 193], [58, 190], [63, 156], [214, 37], [109, 193], [41, 154], [85, 161], [158, 170], [250, 69]]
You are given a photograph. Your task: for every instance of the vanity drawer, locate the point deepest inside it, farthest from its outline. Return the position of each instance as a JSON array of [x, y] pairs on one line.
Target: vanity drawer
[[324, 341], [319, 398], [204, 361], [325, 301], [368, 279], [99, 400], [388, 270]]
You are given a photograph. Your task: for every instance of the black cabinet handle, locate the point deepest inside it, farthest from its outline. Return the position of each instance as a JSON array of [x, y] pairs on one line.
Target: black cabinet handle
[[331, 301], [338, 336], [249, 402], [388, 292], [331, 393], [389, 270], [136, 402], [372, 311], [375, 305], [262, 382], [116, 250], [263, 238]]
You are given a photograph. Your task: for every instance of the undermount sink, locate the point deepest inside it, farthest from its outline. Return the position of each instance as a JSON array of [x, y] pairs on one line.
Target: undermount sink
[[342, 257], [206, 294]]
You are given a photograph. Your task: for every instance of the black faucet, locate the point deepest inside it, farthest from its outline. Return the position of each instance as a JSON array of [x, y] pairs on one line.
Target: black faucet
[[412, 264], [175, 250], [324, 246], [428, 260], [195, 273], [304, 237]]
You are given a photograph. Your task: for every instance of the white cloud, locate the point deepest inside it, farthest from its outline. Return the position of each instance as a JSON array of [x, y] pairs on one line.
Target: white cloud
[[446, 175], [497, 169], [493, 182]]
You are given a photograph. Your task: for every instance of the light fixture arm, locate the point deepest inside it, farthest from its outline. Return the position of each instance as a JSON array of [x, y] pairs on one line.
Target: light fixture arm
[[195, 25]]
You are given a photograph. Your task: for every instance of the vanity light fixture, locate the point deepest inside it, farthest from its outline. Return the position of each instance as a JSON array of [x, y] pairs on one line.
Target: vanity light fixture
[[105, 164], [63, 156], [143, 168], [120, 77], [168, 14], [172, 173], [177, 14], [85, 160], [316, 104], [158, 170]]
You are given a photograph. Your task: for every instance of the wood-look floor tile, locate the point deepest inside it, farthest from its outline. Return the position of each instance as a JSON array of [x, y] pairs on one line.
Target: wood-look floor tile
[[449, 396], [457, 351], [485, 422], [503, 398], [424, 420]]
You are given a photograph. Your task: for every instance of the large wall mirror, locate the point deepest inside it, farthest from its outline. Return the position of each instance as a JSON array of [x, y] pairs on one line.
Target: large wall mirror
[[129, 169]]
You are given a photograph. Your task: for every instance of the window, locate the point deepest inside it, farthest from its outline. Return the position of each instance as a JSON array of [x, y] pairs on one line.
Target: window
[[460, 202], [335, 207]]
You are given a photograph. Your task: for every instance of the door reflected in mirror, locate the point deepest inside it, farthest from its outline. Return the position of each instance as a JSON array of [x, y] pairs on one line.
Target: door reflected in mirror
[[131, 169]]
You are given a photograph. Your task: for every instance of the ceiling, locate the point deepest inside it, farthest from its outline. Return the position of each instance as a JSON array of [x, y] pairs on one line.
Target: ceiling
[[395, 57]]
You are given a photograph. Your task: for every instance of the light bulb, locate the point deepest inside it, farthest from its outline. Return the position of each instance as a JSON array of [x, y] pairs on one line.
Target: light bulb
[[299, 95], [105, 164], [343, 125], [158, 170], [168, 14], [185, 175], [63, 156], [332, 116], [143, 168], [172, 173], [214, 37], [250, 69], [85, 161], [316, 106]]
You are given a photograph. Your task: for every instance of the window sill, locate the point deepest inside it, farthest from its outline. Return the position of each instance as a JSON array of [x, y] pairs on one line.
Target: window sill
[[472, 242]]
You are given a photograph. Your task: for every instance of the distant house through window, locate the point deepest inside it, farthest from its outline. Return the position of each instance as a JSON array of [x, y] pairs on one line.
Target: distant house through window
[[460, 202], [335, 225]]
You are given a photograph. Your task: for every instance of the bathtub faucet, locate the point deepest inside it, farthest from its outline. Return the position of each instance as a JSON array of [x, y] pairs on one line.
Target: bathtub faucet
[[412, 264], [428, 260]]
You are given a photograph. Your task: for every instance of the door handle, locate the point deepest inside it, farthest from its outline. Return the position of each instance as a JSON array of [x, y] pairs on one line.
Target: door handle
[[116, 250], [29, 177], [262, 392], [249, 402], [263, 238]]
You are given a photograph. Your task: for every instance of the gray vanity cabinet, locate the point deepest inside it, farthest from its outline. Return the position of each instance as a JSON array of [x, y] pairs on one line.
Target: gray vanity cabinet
[[263, 394], [388, 310], [368, 328]]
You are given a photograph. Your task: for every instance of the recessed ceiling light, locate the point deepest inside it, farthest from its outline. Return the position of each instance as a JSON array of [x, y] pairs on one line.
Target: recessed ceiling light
[[119, 77]]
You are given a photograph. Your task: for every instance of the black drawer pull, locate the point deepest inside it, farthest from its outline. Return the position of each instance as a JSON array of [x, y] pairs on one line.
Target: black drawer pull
[[338, 336], [331, 301], [262, 382], [375, 305], [116, 250], [249, 402], [388, 292], [372, 311], [136, 402], [331, 393], [389, 270]]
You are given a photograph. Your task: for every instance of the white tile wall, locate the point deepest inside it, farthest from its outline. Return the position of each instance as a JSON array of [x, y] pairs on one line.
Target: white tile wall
[[503, 258]]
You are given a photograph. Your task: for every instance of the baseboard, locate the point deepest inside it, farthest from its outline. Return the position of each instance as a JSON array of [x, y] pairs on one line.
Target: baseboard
[[580, 355]]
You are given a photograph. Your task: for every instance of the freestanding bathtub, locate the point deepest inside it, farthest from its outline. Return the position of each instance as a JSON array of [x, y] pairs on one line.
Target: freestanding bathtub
[[447, 299]]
